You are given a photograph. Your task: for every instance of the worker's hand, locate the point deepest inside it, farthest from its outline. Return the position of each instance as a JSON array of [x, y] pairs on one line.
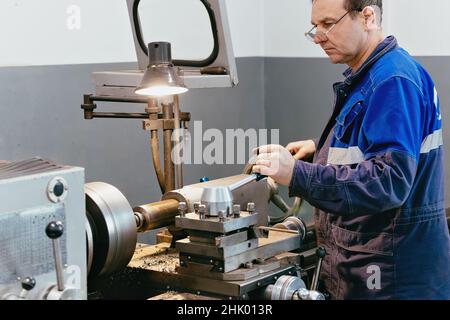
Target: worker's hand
[[302, 149], [276, 162]]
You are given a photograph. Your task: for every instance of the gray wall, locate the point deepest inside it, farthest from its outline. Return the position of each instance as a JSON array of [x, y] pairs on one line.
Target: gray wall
[[299, 96], [40, 115]]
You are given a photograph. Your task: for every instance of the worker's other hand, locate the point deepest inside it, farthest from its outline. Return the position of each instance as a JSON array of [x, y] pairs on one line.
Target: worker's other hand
[[302, 149], [276, 162]]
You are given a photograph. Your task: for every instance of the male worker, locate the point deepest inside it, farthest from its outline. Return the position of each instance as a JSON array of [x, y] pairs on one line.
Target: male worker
[[377, 176]]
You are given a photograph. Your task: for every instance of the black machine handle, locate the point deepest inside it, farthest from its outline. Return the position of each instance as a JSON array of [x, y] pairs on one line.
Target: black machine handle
[[320, 253], [54, 231]]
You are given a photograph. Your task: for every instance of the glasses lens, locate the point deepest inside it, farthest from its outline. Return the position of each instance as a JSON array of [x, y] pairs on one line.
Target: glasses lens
[[311, 35]]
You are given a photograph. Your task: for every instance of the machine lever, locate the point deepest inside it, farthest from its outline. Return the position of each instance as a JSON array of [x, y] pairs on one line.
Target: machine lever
[[259, 176], [320, 253], [27, 285], [253, 177], [54, 231]]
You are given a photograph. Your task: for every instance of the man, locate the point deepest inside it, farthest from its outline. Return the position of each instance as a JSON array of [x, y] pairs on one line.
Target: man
[[377, 176]]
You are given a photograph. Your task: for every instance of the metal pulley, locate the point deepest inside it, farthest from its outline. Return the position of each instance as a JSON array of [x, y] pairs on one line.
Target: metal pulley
[[111, 231]]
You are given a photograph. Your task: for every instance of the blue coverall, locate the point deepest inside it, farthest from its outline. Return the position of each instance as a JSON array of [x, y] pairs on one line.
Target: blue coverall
[[377, 181]]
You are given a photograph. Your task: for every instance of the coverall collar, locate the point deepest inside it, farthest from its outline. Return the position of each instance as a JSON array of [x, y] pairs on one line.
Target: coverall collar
[[388, 44]]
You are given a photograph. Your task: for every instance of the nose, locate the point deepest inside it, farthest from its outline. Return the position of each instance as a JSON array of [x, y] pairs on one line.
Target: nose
[[320, 38]]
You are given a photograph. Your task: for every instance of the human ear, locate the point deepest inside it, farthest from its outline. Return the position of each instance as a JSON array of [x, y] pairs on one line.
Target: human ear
[[370, 18]]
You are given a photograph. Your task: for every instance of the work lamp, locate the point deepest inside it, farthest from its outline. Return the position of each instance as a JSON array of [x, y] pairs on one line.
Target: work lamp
[[161, 78]]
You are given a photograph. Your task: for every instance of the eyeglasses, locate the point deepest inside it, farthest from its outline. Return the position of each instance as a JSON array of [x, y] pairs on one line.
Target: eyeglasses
[[314, 34]]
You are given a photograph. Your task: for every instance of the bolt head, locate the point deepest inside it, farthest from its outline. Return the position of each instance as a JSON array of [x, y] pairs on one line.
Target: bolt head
[[182, 208], [236, 210], [221, 216], [251, 207]]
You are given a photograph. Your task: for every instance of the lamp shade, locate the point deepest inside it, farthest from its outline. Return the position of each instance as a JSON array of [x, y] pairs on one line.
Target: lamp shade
[[161, 77]]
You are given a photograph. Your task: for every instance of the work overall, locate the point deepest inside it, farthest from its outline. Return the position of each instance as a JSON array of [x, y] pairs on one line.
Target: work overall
[[377, 181]]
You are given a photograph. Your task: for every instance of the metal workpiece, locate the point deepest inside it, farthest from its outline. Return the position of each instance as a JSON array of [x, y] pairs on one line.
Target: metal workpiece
[[189, 194], [293, 224], [157, 214], [114, 228], [217, 199], [139, 218], [212, 224]]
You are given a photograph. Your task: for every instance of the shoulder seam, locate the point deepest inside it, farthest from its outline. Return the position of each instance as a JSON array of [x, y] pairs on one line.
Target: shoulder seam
[[404, 78]]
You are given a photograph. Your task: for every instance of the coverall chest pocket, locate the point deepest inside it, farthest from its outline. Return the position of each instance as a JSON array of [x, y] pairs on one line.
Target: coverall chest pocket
[[358, 242], [345, 122]]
